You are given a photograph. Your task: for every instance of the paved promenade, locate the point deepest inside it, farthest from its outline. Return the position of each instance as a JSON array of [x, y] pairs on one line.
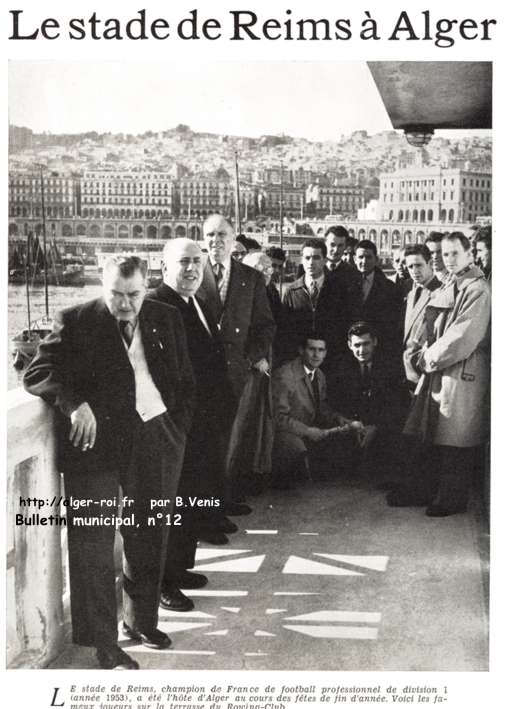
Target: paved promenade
[[327, 577]]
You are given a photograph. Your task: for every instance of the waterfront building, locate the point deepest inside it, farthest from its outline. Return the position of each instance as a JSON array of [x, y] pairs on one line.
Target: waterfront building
[[201, 196], [61, 195], [425, 195], [127, 195], [270, 196], [323, 200]]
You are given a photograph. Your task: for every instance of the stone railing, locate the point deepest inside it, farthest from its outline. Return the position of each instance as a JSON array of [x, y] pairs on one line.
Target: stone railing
[[38, 600], [35, 617]]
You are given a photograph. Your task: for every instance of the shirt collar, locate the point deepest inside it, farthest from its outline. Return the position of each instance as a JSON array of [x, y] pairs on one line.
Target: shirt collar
[[224, 264], [319, 281], [309, 372], [333, 265]]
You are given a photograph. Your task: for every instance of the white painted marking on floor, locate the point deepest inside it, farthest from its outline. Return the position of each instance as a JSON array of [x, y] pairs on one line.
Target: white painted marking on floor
[[255, 654], [248, 565], [261, 531], [264, 634], [271, 611], [308, 534], [142, 649], [218, 632], [168, 627], [339, 617], [299, 565], [233, 609], [203, 554], [222, 594], [375, 563], [189, 652], [168, 615], [296, 593], [347, 632]]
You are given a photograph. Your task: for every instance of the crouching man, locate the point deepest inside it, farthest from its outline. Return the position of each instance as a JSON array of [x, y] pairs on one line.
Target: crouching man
[[308, 434]]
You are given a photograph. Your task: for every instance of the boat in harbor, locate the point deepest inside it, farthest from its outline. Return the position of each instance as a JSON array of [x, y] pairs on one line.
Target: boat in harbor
[[57, 270], [26, 342]]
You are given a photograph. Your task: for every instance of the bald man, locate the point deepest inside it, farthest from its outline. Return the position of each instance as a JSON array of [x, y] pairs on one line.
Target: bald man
[[202, 471]]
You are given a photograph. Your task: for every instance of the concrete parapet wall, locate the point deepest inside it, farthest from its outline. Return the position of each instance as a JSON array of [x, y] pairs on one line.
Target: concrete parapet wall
[[34, 558]]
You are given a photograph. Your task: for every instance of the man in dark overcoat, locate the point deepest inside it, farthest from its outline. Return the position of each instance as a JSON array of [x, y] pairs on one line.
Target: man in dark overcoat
[[118, 373]]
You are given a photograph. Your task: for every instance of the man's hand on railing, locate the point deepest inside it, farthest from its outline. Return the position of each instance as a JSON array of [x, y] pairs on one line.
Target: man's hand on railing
[[83, 429]]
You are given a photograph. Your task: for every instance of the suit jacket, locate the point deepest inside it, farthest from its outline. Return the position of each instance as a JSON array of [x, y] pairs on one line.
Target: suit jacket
[[84, 359], [206, 353], [382, 309], [403, 285], [347, 275], [203, 462], [330, 316], [245, 321], [381, 401], [295, 408]]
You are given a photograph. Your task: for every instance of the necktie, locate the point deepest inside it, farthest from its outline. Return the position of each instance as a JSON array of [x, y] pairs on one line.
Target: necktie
[[364, 284], [315, 389], [366, 393], [218, 273], [314, 292], [417, 294], [333, 266], [365, 377], [126, 329]]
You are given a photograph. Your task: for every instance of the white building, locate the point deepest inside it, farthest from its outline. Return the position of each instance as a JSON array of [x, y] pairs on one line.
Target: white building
[[434, 194]]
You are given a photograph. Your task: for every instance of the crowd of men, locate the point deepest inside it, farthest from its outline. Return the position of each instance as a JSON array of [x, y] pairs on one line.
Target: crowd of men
[[223, 381]]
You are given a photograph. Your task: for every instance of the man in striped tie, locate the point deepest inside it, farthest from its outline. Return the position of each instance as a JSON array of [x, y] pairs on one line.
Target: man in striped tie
[[237, 299]]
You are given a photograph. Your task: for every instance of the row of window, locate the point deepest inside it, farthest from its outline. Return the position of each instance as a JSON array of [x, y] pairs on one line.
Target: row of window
[[137, 178], [35, 183], [132, 200], [24, 211], [415, 197]]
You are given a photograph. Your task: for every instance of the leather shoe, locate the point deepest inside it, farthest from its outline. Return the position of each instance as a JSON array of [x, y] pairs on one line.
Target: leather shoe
[[438, 511], [114, 658], [155, 639], [235, 509], [398, 499], [227, 526], [173, 599], [188, 579], [217, 538]]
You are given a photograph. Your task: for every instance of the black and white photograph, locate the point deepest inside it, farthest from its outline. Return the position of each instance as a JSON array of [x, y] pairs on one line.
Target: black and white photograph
[[248, 428]]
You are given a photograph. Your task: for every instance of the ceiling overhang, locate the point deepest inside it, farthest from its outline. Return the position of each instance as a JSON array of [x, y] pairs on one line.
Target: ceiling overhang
[[433, 95]]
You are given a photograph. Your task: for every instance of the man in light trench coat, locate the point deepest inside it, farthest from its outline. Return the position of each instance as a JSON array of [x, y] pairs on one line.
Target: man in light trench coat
[[451, 353]]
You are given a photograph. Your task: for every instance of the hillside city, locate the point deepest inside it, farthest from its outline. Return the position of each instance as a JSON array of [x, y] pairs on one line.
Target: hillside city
[[354, 160]]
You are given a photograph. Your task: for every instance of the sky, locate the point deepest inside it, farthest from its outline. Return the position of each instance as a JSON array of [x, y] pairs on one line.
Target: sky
[[313, 100]]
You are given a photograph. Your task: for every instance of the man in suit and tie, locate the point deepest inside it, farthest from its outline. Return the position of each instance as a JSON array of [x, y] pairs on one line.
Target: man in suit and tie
[[118, 373], [337, 238], [419, 266], [307, 430], [202, 470], [317, 301], [236, 297], [379, 303]]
